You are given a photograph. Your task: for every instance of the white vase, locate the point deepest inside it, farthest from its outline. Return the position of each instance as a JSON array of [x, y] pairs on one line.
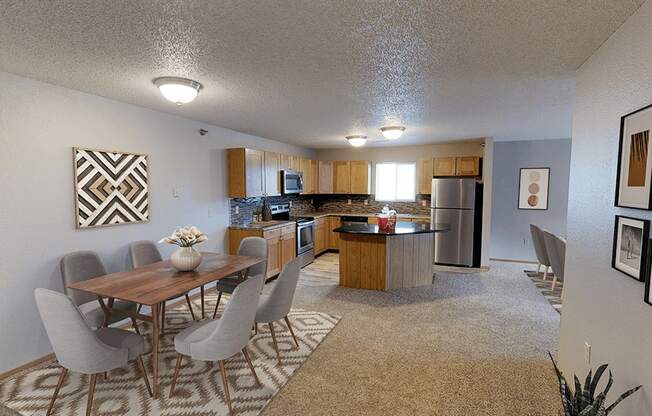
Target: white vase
[[185, 259]]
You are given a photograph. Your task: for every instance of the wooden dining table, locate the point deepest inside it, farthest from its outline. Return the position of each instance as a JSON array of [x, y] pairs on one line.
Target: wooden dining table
[[157, 282]]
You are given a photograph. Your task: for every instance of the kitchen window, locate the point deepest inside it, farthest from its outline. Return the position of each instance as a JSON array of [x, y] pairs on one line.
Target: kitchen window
[[395, 181]]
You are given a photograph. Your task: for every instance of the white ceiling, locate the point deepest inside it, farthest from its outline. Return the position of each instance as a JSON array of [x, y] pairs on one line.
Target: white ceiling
[[310, 72]]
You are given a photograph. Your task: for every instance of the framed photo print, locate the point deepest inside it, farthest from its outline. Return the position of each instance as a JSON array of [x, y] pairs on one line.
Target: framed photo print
[[630, 247], [533, 188], [634, 162]]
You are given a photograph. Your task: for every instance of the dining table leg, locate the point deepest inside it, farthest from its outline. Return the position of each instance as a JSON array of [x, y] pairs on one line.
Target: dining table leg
[[155, 339]]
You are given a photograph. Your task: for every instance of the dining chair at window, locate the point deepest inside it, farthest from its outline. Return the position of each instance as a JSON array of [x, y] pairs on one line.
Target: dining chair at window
[[277, 304], [249, 246], [85, 265], [81, 349], [556, 248], [143, 253], [540, 249], [219, 339]]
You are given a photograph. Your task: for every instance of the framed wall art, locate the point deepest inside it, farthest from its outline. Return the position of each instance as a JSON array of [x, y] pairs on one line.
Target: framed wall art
[[630, 246], [634, 163], [533, 188], [648, 283], [110, 188]]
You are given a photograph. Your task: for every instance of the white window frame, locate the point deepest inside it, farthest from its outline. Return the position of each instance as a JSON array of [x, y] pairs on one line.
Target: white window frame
[[413, 199]]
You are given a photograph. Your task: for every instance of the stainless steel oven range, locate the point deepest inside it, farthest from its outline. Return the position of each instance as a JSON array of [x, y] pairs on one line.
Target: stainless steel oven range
[[305, 231]]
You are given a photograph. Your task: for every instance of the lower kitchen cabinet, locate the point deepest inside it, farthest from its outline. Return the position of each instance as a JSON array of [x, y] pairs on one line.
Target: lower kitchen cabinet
[[281, 245], [333, 237], [321, 235]]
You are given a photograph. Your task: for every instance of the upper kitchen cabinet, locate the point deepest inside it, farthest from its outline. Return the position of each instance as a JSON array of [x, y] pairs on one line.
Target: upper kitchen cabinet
[[295, 163], [341, 177], [444, 166], [467, 166], [361, 177], [272, 174], [325, 180], [425, 171], [309, 169], [253, 173]]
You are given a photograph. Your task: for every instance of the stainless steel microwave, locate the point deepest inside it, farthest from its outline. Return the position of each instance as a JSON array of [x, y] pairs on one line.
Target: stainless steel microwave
[[292, 181]]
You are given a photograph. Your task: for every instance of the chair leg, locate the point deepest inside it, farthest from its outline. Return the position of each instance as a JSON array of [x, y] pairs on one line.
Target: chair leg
[[271, 329], [62, 377], [226, 385], [177, 367], [203, 313], [162, 318], [287, 321], [256, 328], [135, 325], [217, 304], [192, 313], [545, 273], [141, 367], [251, 366], [91, 392], [554, 282], [538, 268]]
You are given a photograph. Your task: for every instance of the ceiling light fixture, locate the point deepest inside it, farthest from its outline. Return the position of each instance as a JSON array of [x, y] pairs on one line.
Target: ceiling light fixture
[[178, 90], [392, 132], [357, 140]]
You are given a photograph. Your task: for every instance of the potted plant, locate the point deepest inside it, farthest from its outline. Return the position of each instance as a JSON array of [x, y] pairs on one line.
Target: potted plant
[[185, 258], [583, 401]]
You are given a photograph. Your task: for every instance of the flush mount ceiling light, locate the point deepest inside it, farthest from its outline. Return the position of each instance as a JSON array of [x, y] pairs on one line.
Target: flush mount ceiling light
[[178, 90], [392, 132], [357, 140]]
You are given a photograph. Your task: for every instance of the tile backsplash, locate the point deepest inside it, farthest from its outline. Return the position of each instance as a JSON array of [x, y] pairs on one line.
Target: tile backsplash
[[302, 204]]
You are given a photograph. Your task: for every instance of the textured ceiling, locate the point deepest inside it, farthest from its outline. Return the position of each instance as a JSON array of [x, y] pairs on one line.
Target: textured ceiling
[[311, 72]]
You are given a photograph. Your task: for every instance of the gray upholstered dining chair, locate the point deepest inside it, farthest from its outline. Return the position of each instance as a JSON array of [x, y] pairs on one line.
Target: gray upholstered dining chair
[[249, 246], [277, 304], [84, 265], [540, 249], [556, 248], [219, 339], [142, 253], [84, 350]]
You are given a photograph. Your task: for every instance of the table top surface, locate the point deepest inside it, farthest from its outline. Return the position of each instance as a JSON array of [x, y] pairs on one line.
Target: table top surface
[[402, 228], [160, 281]]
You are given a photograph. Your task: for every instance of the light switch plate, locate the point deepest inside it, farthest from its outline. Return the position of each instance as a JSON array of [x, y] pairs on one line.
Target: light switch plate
[[587, 353]]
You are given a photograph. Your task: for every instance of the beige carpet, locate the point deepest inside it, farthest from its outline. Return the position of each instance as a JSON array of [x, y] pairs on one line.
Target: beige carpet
[[470, 345], [199, 388]]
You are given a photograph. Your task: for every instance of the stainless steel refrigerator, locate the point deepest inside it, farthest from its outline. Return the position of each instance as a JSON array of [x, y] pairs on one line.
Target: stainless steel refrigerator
[[457, 202]]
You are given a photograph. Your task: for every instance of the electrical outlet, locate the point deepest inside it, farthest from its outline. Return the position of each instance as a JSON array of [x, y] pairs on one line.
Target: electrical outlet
[[424, 203], [587, 352], [366, 202], [290, 204], [237, 209], [348, 202]]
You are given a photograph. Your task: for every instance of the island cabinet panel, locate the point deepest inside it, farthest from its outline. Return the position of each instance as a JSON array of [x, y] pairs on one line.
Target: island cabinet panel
[[409, 261], [362, 261], [360, 177], [444, 166], [425, 171], [272, 174], [333, 237], [341, 177], [325, 180]]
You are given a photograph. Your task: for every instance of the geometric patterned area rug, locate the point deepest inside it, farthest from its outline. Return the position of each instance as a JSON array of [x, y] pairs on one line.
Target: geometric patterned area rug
[[199, 388], [545, 287]]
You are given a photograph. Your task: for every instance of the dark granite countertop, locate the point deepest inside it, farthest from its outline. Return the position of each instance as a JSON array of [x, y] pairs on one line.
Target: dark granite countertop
[[401, 228]]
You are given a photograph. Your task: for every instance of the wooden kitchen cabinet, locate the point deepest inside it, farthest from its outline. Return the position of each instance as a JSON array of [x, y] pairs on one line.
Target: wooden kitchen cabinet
[[288, 245], [425, 171], [467, 166], [333, 237], [272, 174], [245, 173], [295, 163], [281, 245], [361, 177], [325, 179], [309, 169], [321, 235], [444, 166], [341, 177], [273, 238]]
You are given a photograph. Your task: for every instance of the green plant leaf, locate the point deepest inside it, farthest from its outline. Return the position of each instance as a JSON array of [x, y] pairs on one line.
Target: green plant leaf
[[622, 397], [563, 389], [609, 384], [596, 379], [587, 386]]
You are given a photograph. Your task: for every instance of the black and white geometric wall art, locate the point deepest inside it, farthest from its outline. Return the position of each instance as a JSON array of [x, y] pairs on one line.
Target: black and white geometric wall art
[[110, 188], [630, 253]]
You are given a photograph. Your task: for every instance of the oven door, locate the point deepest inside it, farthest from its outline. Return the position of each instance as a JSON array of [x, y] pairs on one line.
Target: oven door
[[292, 182], [305, 237]]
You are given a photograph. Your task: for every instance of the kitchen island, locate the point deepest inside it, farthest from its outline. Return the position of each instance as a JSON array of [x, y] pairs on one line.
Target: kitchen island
[[383, 260]]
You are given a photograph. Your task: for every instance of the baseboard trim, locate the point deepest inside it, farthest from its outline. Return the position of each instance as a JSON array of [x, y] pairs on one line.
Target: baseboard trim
[[513, 261], [38, 361]]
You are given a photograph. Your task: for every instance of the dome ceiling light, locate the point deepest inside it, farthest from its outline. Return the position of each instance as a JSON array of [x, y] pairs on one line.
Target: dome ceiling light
[[357, 140], [392, 132], [178, 90]]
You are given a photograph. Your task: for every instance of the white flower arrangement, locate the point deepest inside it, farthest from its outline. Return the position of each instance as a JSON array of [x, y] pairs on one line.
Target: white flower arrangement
[[185, 237]]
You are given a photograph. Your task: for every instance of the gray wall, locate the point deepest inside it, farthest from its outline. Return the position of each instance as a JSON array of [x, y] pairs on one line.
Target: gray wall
[[603, 306], [39, 124], [510, 228]]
